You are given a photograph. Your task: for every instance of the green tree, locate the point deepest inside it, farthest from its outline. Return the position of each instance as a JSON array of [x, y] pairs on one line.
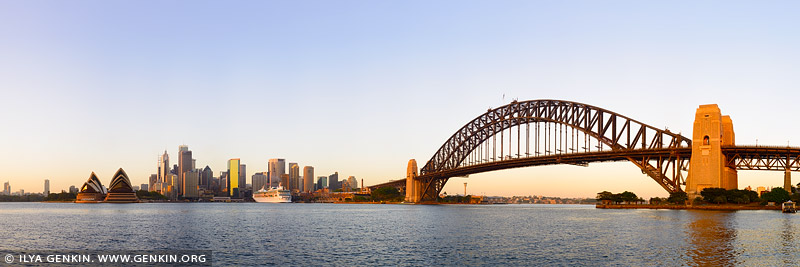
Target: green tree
[[628, 197], [713, 194], [656, 200], [387, 194], [677, 198], [605, 195], [777, 195], [151, 195]]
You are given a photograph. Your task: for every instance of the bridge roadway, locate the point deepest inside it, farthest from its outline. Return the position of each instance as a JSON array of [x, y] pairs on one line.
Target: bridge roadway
[[742, 157]]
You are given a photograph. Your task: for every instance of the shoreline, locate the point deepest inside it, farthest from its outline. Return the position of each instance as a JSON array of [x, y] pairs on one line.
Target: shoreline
[[687, 207]]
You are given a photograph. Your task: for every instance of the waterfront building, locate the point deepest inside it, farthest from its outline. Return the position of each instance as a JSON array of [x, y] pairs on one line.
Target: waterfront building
[[73, 189], [46, 187], [223, 183], [322, 182], [294, 177], [92, 191], [144, 187], [185, 164], [276, 168], [284, 181], [151, 182], [233, 181], [259, 181], [120, 189], [333, 182], [205, 178], [7, 188], [163, 173], [353, 183], [308, 178], [190, 184], [242, 178]]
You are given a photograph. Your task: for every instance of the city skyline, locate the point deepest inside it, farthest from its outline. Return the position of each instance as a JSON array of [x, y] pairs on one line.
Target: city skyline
[[363, 91]]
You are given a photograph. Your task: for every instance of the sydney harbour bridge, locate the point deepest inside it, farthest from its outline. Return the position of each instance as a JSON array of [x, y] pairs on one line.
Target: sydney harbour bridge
[[548, 132]]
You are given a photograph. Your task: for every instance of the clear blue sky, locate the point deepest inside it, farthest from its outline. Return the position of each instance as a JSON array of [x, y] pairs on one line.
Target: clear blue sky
[[360, 87]]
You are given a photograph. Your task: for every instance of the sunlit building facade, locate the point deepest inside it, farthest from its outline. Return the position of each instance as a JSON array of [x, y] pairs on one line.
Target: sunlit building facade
[[92, 191], [294, 177], [233, 177], [276, 168], [308, 179]]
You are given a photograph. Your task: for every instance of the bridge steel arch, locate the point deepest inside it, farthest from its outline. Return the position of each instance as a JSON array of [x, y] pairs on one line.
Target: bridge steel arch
[[628, 138]]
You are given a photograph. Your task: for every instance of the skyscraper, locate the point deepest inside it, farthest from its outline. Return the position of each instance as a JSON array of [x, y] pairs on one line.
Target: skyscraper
[[322, 182], [205, 178], [233, 175], [259, 181], [73, 189], [242, 177], [223, 183], [284, 181], [190, 184], [333, 182], [184, 165], [294, 176], [152, 182], [276, 168], [46, 187], [353, 182], [163, 173], [308, 178], [7, 188]]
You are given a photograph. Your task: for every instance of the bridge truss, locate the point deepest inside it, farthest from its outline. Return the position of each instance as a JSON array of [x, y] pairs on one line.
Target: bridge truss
[[544, 132]]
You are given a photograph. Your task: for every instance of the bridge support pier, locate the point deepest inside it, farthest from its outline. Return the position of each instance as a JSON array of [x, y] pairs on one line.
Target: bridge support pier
[[708, 166], [787, 181], [414, 187]]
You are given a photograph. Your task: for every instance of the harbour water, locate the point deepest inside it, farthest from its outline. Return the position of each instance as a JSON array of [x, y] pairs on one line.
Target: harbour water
[[411, 235]]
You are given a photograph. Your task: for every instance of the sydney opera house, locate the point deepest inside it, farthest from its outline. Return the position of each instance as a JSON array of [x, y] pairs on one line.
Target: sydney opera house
[[120, 190]]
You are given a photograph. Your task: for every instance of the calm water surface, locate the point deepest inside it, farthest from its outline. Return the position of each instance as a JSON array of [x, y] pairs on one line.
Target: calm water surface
[[411, 235]]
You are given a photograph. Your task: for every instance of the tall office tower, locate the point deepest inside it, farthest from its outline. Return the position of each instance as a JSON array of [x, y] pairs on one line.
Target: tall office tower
[[190, 184], [259, 181], [294, 176], [152, 181], [194, 161], [184, 165], [7, 188], [242, 177], [308, 178], [172, 188], [205, 178], [163, 171], [276, 168], [223, 183], [46, 187], [333, 182], [233, 178], [284, 181], [322, 182], [353, 182], [73, 189]]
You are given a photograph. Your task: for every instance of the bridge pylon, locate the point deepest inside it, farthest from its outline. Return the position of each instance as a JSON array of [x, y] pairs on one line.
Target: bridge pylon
[[709, 167], [414, 187]]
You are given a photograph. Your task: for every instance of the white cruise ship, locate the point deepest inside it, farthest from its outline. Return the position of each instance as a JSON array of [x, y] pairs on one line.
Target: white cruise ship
[[273, 195]]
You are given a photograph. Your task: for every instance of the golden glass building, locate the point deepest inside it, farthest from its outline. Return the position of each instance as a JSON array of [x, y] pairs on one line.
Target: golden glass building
[[233, 177]]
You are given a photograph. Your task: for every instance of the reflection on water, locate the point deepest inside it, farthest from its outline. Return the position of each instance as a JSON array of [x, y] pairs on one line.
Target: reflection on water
[[711, 236], [412, 235]]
